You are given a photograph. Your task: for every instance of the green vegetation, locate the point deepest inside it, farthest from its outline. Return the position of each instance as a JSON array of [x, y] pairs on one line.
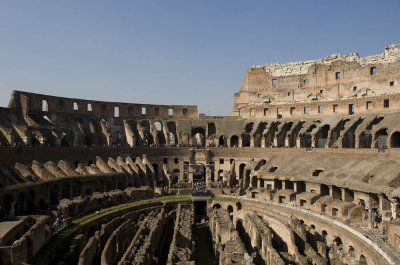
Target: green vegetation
[[56, 242], [226, 199], [203, 248]]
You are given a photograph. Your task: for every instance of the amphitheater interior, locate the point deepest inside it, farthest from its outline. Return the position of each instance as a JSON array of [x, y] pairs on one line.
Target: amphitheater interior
[[306, 170]]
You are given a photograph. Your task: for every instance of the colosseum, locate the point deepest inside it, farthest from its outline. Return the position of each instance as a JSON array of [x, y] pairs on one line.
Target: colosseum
[[306, 170]]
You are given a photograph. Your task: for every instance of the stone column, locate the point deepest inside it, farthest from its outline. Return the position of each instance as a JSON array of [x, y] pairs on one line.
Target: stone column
[[262, 141], [275, 141], [380, 203], [240, 142], [208, 176], [252, 141], [295, 186], [298, 142], [343, 194], [340, 141], [393, 206], [283, 184]]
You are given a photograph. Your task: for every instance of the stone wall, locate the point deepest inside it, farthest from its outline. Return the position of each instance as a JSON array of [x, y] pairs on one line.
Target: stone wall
[[327, 81]]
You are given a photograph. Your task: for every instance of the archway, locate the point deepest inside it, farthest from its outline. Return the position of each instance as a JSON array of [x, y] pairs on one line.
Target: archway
[[220, 175], [241, 170], [221, 141], [230, 211], [395, 140], [198, 137], [322, 137], [381, 138], [199, 172], [172, 133], [160, 133], [363, 260], [175, 175], [171, 139], [116, 138], [365, 140], [155, 167], [234, 141], [324, 190], [349, 140], [246, 140], [254, 181]]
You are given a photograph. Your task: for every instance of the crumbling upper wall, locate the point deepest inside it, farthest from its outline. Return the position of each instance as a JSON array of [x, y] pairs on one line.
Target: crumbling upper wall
[[34, 102], [333, 78]]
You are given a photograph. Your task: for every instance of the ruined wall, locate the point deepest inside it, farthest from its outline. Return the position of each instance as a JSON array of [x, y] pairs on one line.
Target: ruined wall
[[331, 79], [34, 102]]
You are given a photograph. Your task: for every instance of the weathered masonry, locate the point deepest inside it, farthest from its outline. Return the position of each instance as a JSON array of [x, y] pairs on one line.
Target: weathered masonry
[[305, 171]]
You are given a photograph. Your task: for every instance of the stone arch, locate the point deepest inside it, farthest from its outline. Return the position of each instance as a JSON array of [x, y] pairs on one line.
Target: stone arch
[[350, 251], [160, 133], [395, 140], [172, 133], [281, 137], [198, 136], [222, 141], [199, 172], [234, 141], [230, 211], [306, 138], [324, 190], [365, 140], [321, 137], [338, 241], [246, 179], [381, 137], [171, 139], [254, 181], [211, 130], [185, 139], [147, 136], [241, 170], [78, 132], [220, 175], [175, 175], [156, 176], [259, 134], [116, 138], [363, 260], [349, 139], [246, 140]]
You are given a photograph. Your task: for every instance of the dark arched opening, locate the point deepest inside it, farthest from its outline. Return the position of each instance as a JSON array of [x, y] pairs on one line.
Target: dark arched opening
[[234, 141], [395, 140]]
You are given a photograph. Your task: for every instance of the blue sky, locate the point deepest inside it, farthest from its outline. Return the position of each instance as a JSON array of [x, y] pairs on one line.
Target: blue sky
[[175, 52]]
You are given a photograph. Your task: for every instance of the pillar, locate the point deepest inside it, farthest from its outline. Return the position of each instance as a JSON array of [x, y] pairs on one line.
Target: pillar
[[275, 141], [298, 144], [343, 194], [393, 206]]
